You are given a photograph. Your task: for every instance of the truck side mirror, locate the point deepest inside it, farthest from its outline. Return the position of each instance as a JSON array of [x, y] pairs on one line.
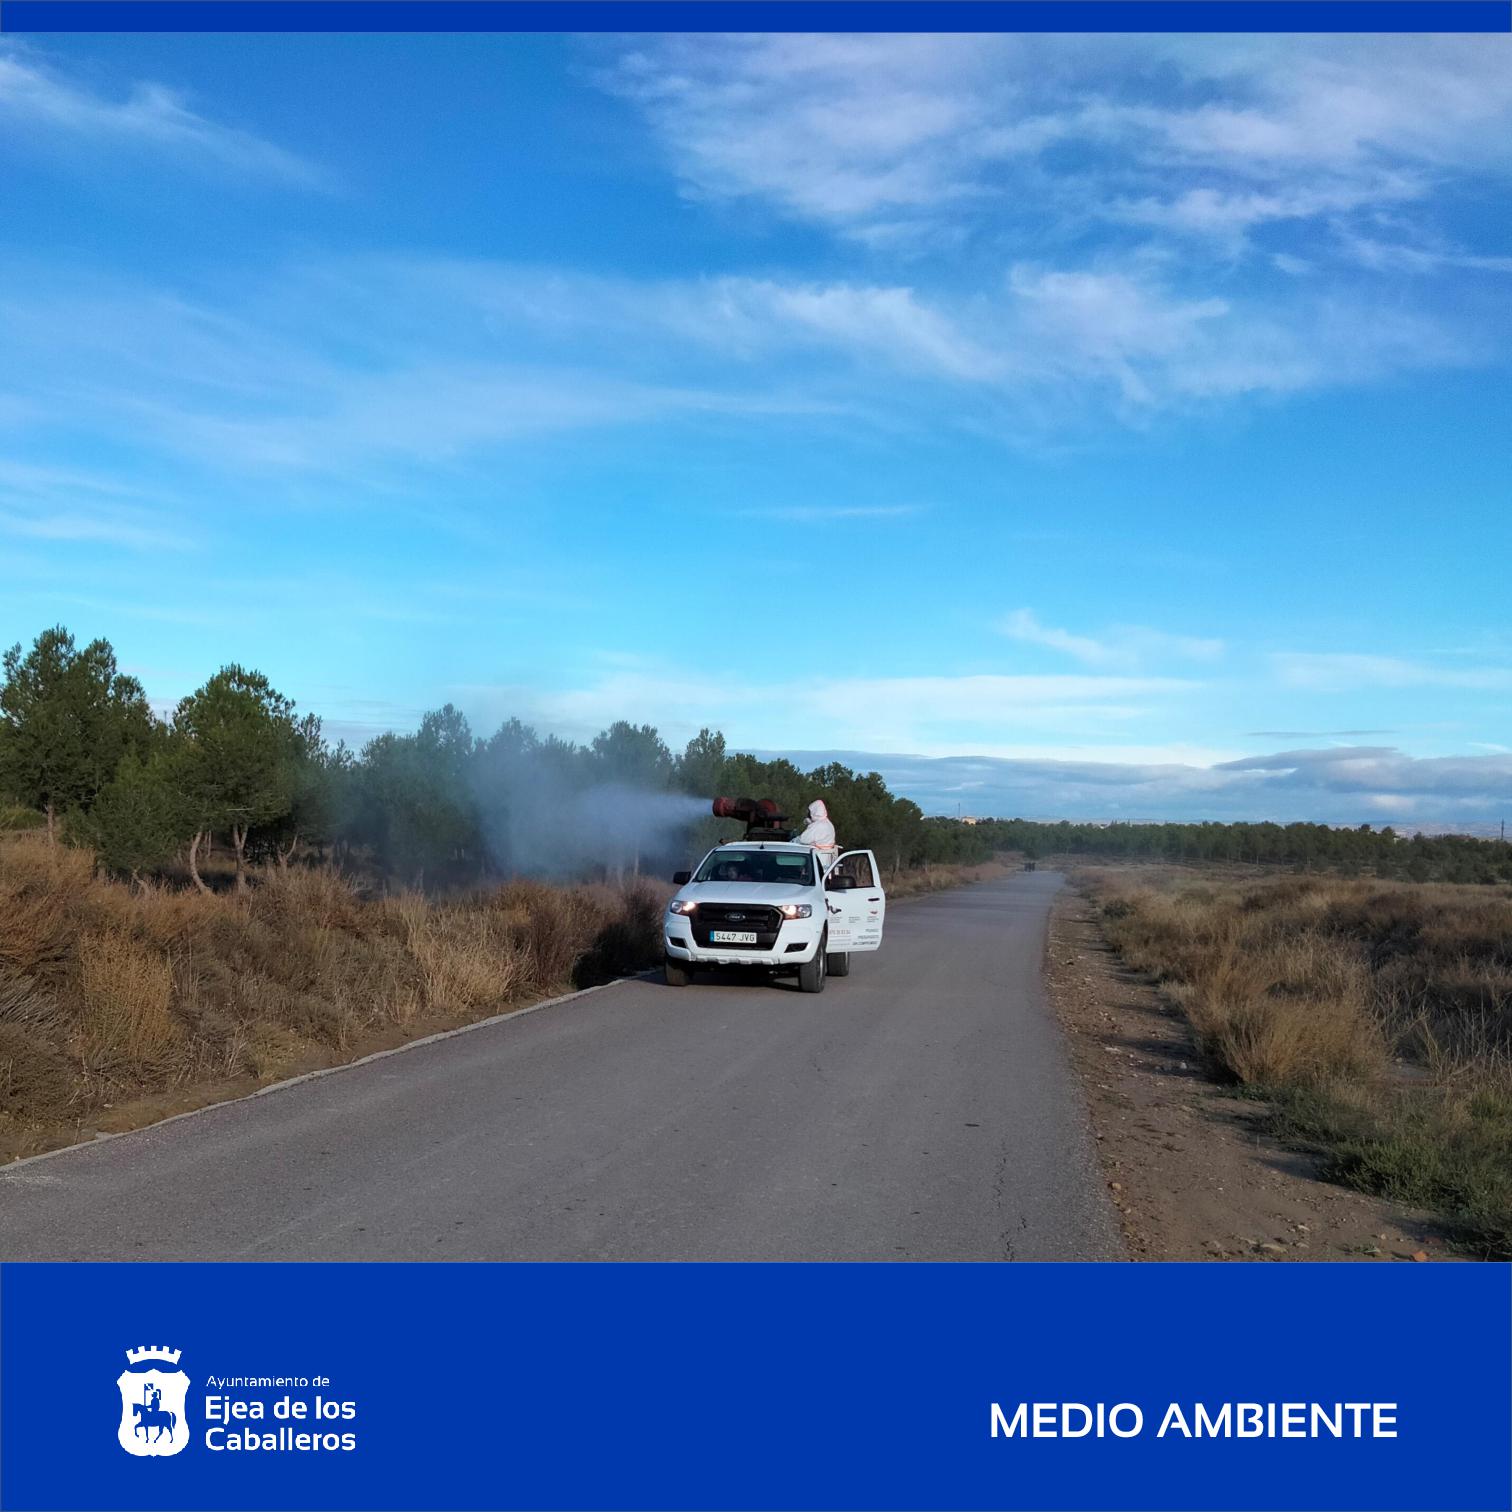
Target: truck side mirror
[[681, 879]]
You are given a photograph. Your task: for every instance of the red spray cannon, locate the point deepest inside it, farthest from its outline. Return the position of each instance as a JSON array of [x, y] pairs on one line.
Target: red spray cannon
[[761, 816]]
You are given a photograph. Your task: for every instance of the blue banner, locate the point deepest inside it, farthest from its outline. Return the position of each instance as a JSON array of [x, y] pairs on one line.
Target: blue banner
[[758, 15], [743, 1386]]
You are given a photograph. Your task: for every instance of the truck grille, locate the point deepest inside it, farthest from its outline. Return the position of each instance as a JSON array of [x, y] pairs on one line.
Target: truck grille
[[754, 918]]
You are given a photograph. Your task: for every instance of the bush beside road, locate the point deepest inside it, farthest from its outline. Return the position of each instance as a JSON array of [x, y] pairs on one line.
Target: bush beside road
[[122, 1004], [1375, 1018]]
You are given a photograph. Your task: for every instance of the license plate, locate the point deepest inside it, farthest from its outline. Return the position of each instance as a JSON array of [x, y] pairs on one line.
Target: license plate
[[731, 937]]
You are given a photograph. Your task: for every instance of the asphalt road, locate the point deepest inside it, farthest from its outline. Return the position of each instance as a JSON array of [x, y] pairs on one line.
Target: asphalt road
[[922, 1108]]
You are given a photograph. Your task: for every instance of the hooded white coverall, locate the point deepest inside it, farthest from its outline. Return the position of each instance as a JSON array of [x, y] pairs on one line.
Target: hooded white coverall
[[820, 834]]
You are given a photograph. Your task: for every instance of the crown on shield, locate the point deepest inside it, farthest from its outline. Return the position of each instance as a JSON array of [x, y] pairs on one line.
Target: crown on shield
[[154, 1352]]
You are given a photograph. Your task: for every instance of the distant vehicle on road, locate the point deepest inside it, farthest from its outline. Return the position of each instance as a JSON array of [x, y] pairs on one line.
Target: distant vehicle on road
[[768, 904]]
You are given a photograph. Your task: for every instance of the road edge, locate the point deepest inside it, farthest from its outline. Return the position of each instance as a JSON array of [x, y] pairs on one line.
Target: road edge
[[1193, 1169], [309, 1076]]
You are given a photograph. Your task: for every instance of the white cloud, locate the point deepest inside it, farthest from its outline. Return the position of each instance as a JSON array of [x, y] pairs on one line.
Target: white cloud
[[276, 375], [1054, 342], [1336, 786], [136, 529], [850, 130], [1123, 645], [746, 319], [1023, 625], [887, 138], [434, 412], [1342, 672], [1396, 256], [1154, 348], [394, 361], [892, 322], [899, 713], [46, 102], [1228, 216], [66, 504]]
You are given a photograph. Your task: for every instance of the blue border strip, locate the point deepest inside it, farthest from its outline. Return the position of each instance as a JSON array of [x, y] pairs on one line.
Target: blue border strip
[[564, 1387], [1296, 16]]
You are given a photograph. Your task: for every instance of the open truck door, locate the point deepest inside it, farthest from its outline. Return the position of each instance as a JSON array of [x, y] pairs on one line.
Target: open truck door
[[856, 903]]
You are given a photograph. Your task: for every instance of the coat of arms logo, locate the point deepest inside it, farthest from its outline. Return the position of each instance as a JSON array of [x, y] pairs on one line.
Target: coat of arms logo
[[153, 1389]]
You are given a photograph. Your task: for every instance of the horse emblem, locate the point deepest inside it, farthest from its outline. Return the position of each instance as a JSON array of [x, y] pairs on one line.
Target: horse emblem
[[153, 1389]]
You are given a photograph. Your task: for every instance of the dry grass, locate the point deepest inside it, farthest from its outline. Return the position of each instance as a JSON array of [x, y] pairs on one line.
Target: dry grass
[[928, 879], [111, 995], [125, 1021], [1378, 1014]]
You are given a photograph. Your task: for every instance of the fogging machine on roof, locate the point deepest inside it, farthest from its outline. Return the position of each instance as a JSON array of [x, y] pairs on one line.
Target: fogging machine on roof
[[761, 817]]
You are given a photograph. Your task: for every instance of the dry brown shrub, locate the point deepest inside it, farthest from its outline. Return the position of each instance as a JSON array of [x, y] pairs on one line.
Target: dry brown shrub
[[271, 1051], [1314, 982], [25, 1004], [41, 888], [909, 884], [550, 927], [126, 993], [1274, 998], [173, 919], [467, 957], [627, 936], [108, 990], [317, 897], [35, 1080]]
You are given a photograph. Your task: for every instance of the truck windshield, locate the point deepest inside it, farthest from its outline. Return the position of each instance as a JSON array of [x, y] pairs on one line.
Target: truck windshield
[[796, 867]]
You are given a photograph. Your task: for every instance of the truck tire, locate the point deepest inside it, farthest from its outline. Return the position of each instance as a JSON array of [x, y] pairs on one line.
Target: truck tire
[[837, 963], [677, 973], [811, 974]]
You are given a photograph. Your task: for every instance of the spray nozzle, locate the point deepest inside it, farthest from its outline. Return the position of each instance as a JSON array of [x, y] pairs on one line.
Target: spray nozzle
[[761, 816]]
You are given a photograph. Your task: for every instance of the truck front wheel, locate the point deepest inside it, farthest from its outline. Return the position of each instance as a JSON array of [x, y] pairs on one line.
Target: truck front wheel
[[677, 973], [811, 974], [837, 963]]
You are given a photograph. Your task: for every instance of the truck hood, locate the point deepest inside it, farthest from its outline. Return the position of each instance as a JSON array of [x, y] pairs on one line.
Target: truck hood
[[773, 894]]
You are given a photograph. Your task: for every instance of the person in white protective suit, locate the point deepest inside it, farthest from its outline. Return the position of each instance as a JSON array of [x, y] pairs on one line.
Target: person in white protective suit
[[820, 834]]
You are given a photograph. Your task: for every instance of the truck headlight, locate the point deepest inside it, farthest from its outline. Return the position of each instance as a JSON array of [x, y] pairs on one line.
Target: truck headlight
[[681, 907], [797, 910]]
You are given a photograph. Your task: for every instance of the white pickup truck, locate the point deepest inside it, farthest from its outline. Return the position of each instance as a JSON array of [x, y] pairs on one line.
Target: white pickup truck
[[768, 904]]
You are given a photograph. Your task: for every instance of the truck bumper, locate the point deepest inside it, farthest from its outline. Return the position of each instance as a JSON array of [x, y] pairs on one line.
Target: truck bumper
[[787, 955]]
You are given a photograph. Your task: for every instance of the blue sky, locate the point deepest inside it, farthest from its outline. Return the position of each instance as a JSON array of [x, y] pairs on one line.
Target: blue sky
[[1066, 426]]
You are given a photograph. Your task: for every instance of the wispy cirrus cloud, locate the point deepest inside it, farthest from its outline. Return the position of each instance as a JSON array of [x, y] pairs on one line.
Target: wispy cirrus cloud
[[329, 363], [270, 373], [887, 138], [1104, 174], [1038, 747], [49, 105], [68, 504], [1314, 734], [1340, 672], [1120, 646], [55, 521], [920, 713], [851, 131], [742, 319], [1116, 334]]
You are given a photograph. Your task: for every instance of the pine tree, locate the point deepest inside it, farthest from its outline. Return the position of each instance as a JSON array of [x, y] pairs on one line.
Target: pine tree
[[140, 818], [66, 719], [235, 762]]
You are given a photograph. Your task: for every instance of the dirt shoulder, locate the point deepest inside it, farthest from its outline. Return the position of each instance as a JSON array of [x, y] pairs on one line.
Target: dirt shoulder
[[1192, 1170]]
